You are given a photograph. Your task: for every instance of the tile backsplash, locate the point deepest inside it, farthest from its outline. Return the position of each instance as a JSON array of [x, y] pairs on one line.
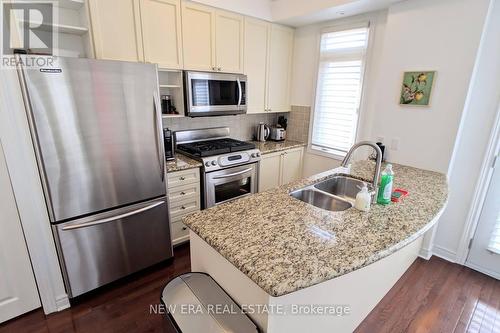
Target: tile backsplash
[[241, 127], [298, 123]]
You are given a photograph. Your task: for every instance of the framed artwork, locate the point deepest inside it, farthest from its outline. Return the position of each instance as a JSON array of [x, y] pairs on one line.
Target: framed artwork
[[416, 88]]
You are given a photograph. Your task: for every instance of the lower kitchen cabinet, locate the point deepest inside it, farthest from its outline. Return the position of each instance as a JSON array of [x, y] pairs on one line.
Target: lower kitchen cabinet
[[183, 198], [280, 168]]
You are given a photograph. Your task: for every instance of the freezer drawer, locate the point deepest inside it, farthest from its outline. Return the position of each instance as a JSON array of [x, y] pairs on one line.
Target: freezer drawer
[[100, 249]]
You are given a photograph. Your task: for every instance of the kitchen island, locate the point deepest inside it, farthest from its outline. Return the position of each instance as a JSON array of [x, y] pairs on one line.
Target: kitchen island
[[272, 249]]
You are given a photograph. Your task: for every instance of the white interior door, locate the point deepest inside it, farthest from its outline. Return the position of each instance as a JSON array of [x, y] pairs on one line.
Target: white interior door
[[484, 254], [18, 292]]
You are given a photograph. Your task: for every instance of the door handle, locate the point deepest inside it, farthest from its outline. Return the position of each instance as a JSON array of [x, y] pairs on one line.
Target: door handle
[[240, 92], [233, 174], [158, 129], [113, 218]]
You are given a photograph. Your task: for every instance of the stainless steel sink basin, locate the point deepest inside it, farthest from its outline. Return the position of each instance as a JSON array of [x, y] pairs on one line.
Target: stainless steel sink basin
[[320, 199], [342, 186], [335, 194]]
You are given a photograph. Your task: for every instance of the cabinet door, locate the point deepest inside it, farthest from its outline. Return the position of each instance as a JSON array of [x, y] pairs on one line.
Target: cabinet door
[[198, 25], [256, 46], [280, 61], [269, 171], [229, 42], [116, 29], [291, 166], [161, 32], [18, 292]]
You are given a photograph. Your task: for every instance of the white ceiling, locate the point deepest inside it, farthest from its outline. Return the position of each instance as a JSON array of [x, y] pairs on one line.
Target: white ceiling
[[300, 12], [303, 12]]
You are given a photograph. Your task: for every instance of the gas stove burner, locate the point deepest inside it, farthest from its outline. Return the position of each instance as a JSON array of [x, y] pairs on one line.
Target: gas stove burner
[[214, 147]]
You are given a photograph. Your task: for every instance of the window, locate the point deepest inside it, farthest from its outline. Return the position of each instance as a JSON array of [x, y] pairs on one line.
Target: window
[[338, 92], [494, 245]]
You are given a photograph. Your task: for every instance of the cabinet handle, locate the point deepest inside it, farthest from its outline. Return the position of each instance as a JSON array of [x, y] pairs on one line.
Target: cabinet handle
[[183, 207], [182, 178], [213, 68], [183, 193], [219, 69], [184, 228]]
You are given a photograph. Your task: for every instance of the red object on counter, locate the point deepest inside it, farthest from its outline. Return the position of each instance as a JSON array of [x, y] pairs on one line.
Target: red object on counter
[[398, 194]]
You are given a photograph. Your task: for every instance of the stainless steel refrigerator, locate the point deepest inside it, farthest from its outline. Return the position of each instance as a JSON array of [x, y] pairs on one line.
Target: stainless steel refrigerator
[[97, 134]]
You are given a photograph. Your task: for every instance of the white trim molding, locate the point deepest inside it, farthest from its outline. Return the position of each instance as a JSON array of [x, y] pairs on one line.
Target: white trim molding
[[479, 193], [19, 154], [444, 253]]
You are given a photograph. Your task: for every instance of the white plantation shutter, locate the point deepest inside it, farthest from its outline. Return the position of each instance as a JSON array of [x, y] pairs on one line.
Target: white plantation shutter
[[494, 245], [338, 92]]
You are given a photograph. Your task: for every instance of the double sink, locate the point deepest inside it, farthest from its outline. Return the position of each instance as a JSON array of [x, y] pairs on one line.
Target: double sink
[[334, 194]]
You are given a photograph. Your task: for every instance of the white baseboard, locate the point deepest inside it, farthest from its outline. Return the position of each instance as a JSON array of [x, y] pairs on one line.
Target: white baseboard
[[483, 270], [62, 302], [425, 254], [444, 253]]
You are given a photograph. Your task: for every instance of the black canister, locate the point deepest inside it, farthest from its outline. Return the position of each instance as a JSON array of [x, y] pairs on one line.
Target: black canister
[[166, 104]]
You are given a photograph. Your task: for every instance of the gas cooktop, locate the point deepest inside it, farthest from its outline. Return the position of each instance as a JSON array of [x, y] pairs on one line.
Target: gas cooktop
[[214, 147]]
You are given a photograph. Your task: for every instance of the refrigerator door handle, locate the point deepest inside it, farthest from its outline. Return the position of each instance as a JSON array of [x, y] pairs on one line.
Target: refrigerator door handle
[[158, 131], [113, 218]]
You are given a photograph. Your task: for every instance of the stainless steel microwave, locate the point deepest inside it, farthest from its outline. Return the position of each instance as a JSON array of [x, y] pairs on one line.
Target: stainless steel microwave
[[214, 94]]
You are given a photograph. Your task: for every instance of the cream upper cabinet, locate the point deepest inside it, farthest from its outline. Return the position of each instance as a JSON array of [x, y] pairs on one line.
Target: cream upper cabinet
[[280, 168], [292, 165], [279, 68], [268, 64], [161, 32], [256, 45], [198, 30], [269, 171], [229, 37], [116, 29]]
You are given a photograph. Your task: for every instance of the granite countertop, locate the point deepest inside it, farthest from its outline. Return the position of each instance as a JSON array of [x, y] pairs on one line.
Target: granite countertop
[[268, 147], [182, 162], [284, 244]]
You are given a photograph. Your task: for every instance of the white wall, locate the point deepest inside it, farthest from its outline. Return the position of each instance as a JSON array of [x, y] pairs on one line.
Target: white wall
[[435, 35], [256, 8], [476, 126], [449, 32]]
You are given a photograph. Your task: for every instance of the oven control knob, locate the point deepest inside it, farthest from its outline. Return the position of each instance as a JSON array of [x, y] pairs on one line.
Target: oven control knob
[[254, 155], [207, 164], [214, 163], [258, 154]]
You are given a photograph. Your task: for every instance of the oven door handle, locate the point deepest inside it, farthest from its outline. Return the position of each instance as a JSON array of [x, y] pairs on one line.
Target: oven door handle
[[240, 92], [233, 174]]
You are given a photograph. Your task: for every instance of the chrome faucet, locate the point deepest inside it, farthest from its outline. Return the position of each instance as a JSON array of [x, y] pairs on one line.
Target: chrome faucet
[[376, 176]]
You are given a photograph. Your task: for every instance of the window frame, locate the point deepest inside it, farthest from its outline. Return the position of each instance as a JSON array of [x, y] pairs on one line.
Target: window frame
[[366, 23]]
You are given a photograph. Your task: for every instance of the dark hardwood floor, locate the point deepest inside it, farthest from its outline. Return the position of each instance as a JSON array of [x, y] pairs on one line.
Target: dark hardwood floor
[[432, 296]]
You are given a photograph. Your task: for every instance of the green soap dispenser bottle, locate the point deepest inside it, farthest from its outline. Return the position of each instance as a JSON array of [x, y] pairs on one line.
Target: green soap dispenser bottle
[[385, 188]]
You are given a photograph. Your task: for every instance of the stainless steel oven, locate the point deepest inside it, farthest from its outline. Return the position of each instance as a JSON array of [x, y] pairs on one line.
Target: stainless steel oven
[[213, 94], [228, 184]]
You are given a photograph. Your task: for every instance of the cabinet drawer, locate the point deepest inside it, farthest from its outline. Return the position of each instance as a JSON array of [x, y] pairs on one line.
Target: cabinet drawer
[[184, 207], [184, 192], [183, 177], [180, 232]]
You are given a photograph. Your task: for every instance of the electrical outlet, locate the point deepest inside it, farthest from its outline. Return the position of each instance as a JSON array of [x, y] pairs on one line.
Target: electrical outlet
[[395, 144]]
